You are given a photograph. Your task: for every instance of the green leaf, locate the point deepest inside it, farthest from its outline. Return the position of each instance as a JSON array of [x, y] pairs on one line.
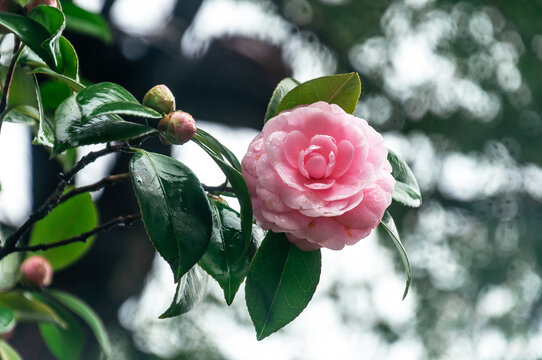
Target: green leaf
[[74, 85], [239, 187], [7, 352], [73, 128], [280, 283], [342, 89], [9, 268], [71, 218], [30, 32], [100, 94], [88, 315], [190, 291], [90, 117], [7, 319], [279, 93], [52, 19], [174, 208], [388, 225], [29, 58], [53, 93], [219, 149], [23, 101], [70, 61], [64, 343], [86, 22], [406, 190], [225, 259], [28, 308], [126, 108]]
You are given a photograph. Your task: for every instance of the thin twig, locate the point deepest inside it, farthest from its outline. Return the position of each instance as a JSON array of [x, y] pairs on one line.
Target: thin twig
[[106, 181], [118, 221], [53, 199], [220, 188]]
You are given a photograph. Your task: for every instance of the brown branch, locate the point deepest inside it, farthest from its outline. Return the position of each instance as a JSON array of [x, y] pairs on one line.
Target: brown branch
[[53, 199], [106, 181], [220, 188], [118, 221]]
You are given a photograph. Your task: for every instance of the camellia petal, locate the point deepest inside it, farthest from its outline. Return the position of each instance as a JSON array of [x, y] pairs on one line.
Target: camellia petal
[[319, 175], [294, 144]]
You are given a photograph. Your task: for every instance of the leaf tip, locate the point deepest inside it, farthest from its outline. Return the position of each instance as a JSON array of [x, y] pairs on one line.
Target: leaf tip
[[260, 336], [407, 287]]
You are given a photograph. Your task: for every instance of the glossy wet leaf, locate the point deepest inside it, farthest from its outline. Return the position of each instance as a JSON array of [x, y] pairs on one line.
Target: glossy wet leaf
[[71, 218], [280, 283], [30, 32], [74, 85], [7, 352], [53, 93], [239, 187], [342, 89], [126, 108], [406, 190], [225, 259], [279, 93], [30, 58], [64, 343], [74, 128], [23, 103], [69, 65], [29, 308], [83, 311], [190, 291], [388, 225], [52, 19], [7, 319], [174, 208], [86, 22]]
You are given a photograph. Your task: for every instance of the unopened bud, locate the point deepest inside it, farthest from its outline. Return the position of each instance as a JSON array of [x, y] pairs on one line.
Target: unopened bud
[[37, 271], [35, 3], [177, 128], [160, 98]]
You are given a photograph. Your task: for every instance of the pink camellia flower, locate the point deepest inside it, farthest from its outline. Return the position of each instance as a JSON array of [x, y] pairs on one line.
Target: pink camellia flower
[[37, 271], [320, 175]]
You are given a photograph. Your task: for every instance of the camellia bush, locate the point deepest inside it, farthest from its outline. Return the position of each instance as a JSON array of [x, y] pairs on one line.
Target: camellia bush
[[315, 177]]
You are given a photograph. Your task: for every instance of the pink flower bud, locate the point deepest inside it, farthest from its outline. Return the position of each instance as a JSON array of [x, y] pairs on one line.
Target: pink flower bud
[[37, 271], [177, 128], [160, 98], [35, 3]]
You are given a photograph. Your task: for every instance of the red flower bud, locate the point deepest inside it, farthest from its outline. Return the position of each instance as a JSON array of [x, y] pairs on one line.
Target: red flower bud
[[35, 3], [37, 271], [177, 128], [160, 98]]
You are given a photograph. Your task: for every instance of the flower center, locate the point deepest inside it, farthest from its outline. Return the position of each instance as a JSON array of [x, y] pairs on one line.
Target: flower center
[[316, 166]]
